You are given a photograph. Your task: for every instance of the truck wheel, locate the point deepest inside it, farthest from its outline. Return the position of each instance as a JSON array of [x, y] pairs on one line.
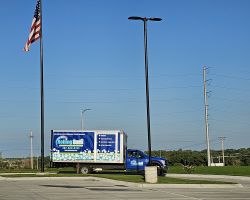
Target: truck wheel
[[159, 169], [85, 170]]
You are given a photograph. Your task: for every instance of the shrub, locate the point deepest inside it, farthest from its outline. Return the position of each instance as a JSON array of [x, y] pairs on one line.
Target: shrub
[[189, 169]]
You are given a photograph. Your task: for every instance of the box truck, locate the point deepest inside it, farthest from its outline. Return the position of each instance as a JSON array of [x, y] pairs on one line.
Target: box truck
[[90, 150]]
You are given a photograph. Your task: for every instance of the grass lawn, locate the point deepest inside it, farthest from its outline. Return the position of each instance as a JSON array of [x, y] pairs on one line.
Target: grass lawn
[[227, 170], [18, 171]]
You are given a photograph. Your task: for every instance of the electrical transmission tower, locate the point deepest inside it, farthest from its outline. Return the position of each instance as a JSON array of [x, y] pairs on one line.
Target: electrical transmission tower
[[206, 116]]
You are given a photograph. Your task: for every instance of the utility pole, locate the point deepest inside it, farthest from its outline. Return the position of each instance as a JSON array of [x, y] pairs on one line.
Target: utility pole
[[222, 148], [37, 163], [31, 150], [206, 116]]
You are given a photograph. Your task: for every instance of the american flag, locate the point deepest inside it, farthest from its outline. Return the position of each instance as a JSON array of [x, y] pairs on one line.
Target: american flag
[[35, 30]]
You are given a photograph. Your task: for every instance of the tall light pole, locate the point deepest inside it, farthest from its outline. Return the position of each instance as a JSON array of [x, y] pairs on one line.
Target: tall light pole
[[82, 112], [145, 19]]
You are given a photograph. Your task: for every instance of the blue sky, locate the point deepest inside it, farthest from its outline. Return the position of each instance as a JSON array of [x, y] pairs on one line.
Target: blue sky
[[94, 58]]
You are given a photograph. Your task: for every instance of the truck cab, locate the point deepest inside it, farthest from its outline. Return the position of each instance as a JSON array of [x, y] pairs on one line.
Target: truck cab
[[137, 160]]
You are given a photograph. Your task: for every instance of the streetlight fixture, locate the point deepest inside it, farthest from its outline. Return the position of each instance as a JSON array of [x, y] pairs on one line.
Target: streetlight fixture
[[145, 19], [82, 112]]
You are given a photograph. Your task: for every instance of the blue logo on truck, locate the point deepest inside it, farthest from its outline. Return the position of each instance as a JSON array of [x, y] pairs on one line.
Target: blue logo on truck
[[64, 141]]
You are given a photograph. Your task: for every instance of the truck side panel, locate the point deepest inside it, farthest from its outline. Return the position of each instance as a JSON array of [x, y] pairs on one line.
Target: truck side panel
[[72, 146], [101, 146]]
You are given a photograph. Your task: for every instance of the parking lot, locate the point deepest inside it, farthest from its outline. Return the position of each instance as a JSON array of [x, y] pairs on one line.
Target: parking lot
[[94, 188]]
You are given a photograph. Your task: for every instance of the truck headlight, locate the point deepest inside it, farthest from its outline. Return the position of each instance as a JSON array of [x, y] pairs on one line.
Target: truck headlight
[[163, 162]]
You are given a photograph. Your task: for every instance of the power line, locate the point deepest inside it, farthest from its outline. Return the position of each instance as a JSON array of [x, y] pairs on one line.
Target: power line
[[122, 101], [231, 100], [232, 77], [198, 144], [132, 76], [231, 88], [109, 89], [228, 121]]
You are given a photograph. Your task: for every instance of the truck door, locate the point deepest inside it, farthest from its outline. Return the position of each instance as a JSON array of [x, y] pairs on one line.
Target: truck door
[[135, 160]]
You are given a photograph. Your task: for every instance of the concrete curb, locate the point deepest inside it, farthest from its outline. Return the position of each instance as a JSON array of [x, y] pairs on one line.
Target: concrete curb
[[148, 185], [191, 186], [2, 178], [44, 178], [128, 184], [242, 178]]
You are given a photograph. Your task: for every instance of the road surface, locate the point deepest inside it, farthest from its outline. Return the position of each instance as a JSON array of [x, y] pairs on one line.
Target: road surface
[[93, 188]]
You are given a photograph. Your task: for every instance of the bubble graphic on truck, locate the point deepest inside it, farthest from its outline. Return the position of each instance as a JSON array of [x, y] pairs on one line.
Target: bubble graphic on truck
[[60, 140]]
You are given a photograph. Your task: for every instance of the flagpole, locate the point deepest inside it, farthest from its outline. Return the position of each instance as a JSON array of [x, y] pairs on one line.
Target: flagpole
[[42, 90]]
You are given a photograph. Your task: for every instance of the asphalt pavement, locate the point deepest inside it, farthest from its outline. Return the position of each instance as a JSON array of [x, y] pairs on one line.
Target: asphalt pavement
[[48, 188]]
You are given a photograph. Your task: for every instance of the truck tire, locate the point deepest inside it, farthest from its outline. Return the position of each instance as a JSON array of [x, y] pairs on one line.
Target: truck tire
[[85, 170], [159, 169]]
